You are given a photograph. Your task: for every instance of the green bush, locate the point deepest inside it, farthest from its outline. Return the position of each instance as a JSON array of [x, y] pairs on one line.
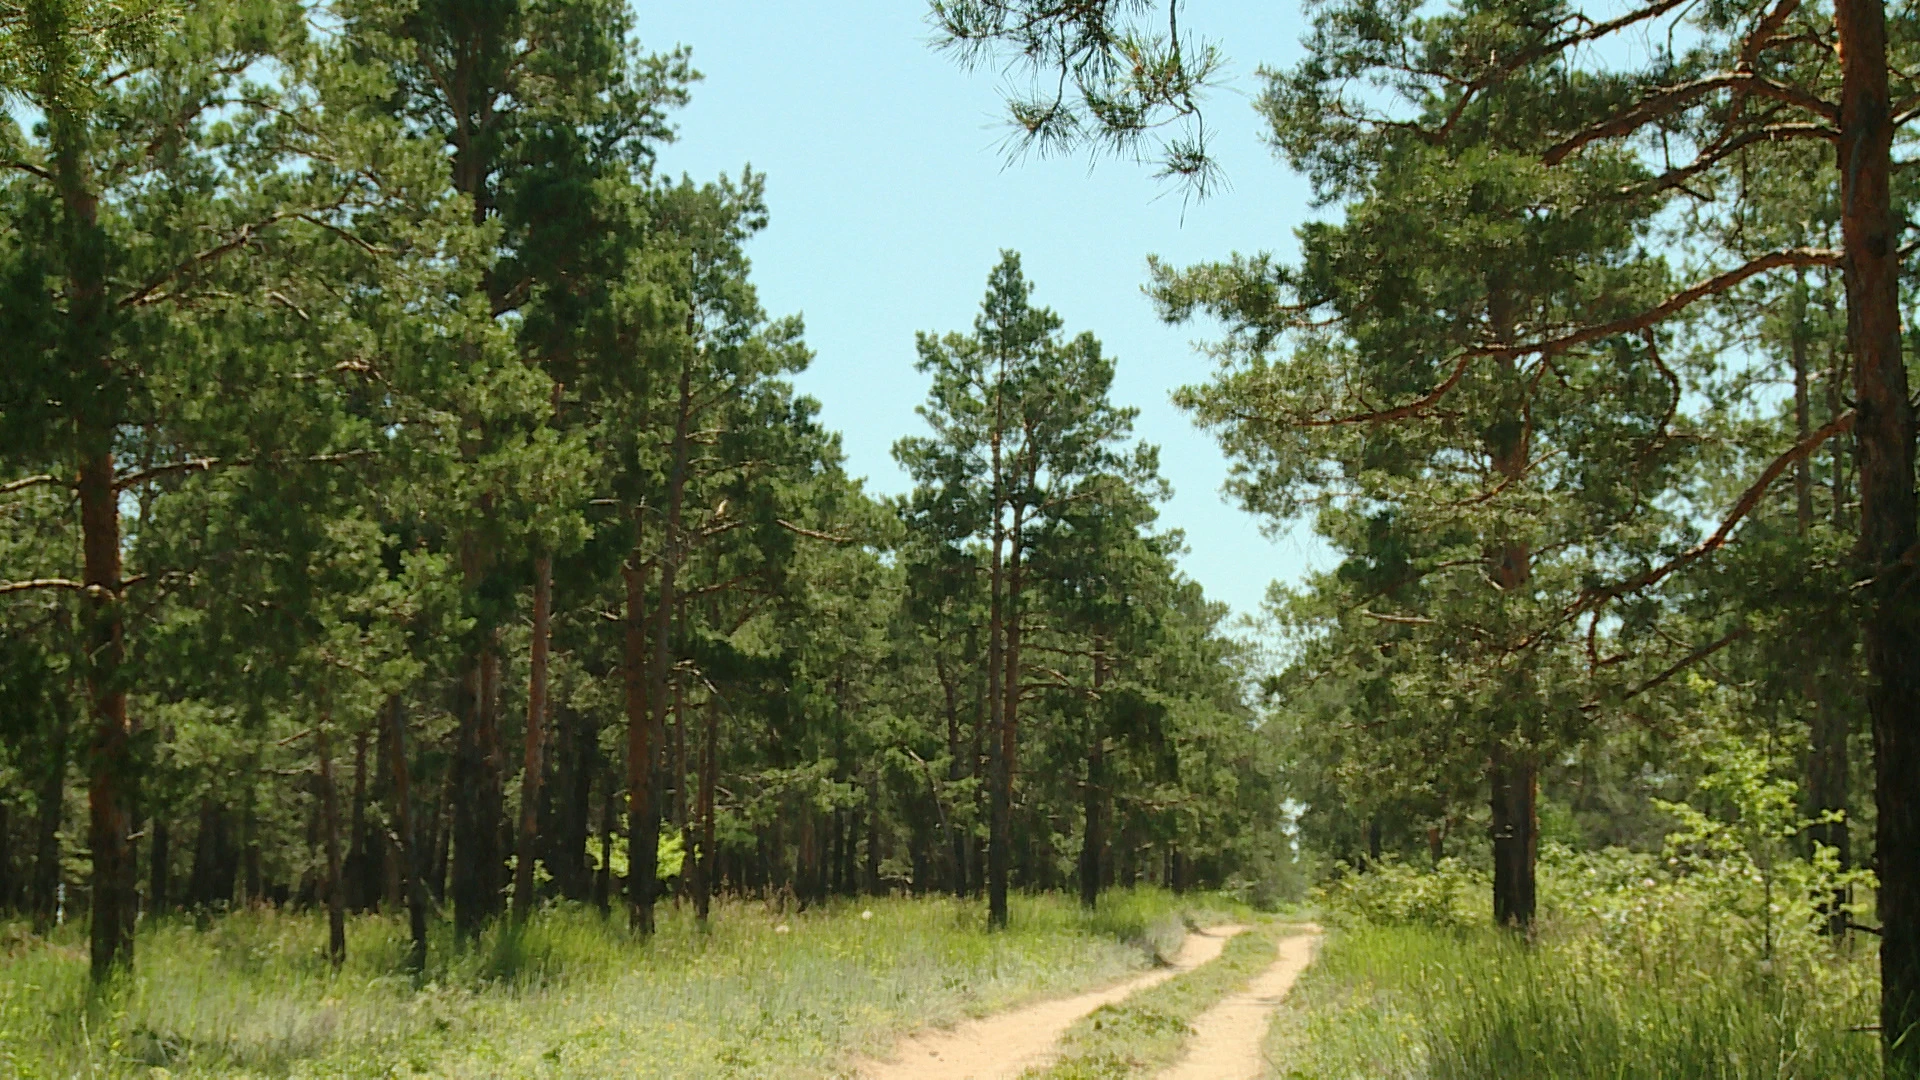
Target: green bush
[[1392, 893]]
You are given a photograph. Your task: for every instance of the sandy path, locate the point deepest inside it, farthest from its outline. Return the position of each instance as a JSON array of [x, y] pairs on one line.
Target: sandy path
[[998, 1047], [1227, 1038]]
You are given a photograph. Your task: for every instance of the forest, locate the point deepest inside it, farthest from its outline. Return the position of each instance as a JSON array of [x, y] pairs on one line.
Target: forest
[[438, 637]]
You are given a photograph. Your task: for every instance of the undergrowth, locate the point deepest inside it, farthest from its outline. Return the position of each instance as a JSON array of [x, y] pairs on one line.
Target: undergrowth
[[571, 994], [1643, 967]]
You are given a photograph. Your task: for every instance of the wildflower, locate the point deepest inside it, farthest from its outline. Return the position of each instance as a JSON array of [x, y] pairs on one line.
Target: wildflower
[[781, 929], [866, 915]]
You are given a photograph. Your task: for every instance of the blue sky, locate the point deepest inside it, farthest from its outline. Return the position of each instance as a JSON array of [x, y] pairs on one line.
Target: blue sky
[[890, 199]]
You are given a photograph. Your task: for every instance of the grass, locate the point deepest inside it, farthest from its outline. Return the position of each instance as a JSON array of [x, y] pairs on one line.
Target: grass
[[1144, 1033], [251, 995], [1416, 1002]]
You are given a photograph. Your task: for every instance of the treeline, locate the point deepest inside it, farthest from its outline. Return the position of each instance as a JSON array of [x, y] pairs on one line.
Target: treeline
[[406, 506], [1597, 381]]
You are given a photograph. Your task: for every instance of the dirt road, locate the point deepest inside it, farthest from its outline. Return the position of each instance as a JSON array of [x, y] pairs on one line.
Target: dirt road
[[998, 1047], [1227, 1038]]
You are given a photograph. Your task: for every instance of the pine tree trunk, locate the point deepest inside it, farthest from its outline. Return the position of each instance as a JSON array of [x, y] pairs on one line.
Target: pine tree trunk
[[1515, 837], [110, 791], [636, 668], [1009, 720], [564, 824], [336, 886], [1000, 806], [44, 890], [956, 771], [1884, 435], [873, 832], [359, 869], [533, 764], [1094, 840], [407, 837], [682, 799], [704, 865], [475, 796]]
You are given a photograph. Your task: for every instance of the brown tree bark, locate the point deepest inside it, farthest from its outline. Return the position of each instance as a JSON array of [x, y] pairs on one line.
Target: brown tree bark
[[1516, 835], [406, 836], [643, 806], [533, 769], [1000, 778], [359, 864], [110, 790], [635, 669], [1884, 440], [1512, 773], [705, 864], [1094, 839], [336, 885]]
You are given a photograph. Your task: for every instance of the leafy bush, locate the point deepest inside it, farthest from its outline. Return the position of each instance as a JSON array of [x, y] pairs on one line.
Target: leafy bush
[[1392, 893]]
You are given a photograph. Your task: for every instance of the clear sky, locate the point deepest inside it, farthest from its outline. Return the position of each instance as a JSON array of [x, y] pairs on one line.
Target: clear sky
[[890, 199]]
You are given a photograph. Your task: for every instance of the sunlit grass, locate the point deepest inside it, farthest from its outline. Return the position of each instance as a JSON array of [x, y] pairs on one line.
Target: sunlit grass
[[1419, 1003], [251, 994]]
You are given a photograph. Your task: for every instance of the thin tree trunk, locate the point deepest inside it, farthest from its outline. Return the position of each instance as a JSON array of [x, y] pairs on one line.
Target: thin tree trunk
[[534, 766], [44, 890], [636, 665], [1094, 838], [359, 859], [603, 877], [956, 840], [1009, 721], [1884, 438], [705, 865], [406, 837], [1000, 808], [873, 831], [682, 799], [110, 790], [336, 887], [643, 811], [477, 802]]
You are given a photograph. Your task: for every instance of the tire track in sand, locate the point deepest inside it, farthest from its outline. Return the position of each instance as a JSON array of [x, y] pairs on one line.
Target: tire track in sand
[[1227, 1038], [1000, 1046]]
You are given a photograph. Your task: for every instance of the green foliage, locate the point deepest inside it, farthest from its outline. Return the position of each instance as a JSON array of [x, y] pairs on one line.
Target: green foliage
[[1414, 1001], [1392, 893], [755, 993]]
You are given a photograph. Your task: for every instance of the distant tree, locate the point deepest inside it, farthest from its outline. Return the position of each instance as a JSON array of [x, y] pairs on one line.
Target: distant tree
[[1019, 417]]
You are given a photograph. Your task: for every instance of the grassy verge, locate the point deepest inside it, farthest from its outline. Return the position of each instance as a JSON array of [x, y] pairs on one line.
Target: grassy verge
[[251, 995], [1144, 1033], [1421, 1003]]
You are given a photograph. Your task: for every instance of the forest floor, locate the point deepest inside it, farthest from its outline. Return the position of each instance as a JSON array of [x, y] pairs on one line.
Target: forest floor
[[757, 993]]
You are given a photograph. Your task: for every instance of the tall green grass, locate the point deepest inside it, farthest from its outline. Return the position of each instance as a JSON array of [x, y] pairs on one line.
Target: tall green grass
[[251, 994], [1639, 976]]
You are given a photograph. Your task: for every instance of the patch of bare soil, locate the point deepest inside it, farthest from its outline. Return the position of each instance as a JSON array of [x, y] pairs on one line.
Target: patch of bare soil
[[1227, 1038], [999, 1047]]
